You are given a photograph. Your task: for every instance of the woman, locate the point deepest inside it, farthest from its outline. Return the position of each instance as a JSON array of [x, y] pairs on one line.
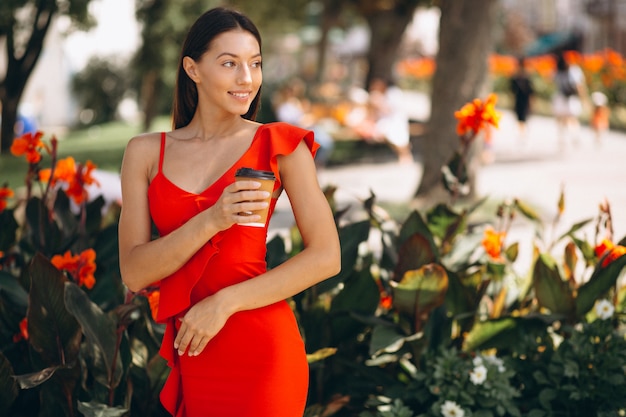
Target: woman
[[522, 89], [567, 102], [231, 339]]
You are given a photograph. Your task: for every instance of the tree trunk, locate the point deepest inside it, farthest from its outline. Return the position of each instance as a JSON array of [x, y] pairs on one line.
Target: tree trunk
[[19, 70], [387, 28], [465, 43]]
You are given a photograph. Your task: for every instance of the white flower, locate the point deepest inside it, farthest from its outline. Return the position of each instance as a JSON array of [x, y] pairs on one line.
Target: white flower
[[478, 375], [452, 409], [477, 361], [604, 309], [494, 360]]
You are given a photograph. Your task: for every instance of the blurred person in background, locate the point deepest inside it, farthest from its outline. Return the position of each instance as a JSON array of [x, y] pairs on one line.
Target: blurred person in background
[[291, 106], [522, 89], [567, 102], [600, 115]]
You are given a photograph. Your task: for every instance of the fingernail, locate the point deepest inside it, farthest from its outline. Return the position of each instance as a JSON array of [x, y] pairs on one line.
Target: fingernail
[[175, 345], [266, 194], [181, 353]]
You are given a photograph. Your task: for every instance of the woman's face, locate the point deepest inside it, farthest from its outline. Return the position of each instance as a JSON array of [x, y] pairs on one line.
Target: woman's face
[[228, 75]]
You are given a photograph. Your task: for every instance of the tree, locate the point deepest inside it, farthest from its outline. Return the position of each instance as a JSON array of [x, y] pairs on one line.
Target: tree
[[387, 21], [99, 88], [465, 42], [24, 25]]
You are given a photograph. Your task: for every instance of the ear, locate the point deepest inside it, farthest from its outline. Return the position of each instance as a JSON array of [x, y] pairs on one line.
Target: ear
[[189, 65]]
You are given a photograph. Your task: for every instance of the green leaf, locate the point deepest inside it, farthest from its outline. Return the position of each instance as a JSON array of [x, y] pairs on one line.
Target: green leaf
[[415, 224], [486, 331], [602, 279], [9, 227], [53, 331], [414, 253], [512, 252], [359, 295], [101, 333], [551, 290], [446, 223], [10, 286], [421, 290], [576, 227], [8, 386], [33, 379], [276, 253], [385, 339], [546, 396], [528, 212]]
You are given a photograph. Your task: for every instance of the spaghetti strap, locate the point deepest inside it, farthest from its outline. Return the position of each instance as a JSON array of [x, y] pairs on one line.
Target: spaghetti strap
[[162, 152]]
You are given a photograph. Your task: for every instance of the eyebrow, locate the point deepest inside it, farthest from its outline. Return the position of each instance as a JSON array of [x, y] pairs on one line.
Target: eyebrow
[[235, 55]]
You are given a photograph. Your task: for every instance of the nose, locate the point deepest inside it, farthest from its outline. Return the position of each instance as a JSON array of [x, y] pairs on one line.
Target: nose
[[245, 76]]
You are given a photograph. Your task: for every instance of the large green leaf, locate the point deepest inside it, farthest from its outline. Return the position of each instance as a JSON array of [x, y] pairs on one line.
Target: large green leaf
[[415, 224], [53, 331], [9, 226], [446, 223], [8, 386], [359, 295], [551, 290], [42, 234], [101, 334], [602, 279], [505, 332], [413, 254], [420, 291], [11, 288]]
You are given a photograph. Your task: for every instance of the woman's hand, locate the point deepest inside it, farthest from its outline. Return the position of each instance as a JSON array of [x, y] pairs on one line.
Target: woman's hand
[[237, 199], [199, 325]]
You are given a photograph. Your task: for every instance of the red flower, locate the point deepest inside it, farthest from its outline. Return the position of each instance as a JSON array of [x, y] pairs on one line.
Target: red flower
[[612, 251], [23, 334], [5, 193], [29, 145], [476, 116], [81, 267]]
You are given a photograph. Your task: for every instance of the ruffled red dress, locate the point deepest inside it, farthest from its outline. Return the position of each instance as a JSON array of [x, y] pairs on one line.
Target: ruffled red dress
[[256, 366]]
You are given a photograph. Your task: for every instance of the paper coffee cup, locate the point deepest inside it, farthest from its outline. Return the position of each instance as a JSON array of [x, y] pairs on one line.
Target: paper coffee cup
[[266, 178]]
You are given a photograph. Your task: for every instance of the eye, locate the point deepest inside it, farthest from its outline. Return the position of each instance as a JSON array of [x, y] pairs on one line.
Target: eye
[[229, 64], [257, 64]]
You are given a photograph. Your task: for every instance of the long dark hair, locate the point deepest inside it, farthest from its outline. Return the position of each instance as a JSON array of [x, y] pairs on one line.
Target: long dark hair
[[212, 23]]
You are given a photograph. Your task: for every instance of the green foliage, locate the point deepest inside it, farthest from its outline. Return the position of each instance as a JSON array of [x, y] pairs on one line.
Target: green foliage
[[70, 346]]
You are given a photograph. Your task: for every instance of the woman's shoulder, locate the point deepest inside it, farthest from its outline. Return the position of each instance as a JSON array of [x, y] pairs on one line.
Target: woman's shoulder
[[144, 142], [284, 127]]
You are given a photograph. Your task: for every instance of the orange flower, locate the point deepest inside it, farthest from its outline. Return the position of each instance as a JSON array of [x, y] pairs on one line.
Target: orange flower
[[385, 301], [29, 145], [153, 300], [5, 193], [476, 115], [23, 334], [81, 267], [492, 242], [76, 176], [612, 251]]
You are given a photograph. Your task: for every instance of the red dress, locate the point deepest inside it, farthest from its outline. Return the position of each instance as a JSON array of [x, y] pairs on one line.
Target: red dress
[[256, 365]]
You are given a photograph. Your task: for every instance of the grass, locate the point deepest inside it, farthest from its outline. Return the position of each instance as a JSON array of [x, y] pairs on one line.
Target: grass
[[103, 144]]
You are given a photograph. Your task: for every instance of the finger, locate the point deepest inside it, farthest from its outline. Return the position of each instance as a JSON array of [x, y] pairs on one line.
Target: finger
[[246, 185], [195, 345], [182, 340], [198, 350]]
